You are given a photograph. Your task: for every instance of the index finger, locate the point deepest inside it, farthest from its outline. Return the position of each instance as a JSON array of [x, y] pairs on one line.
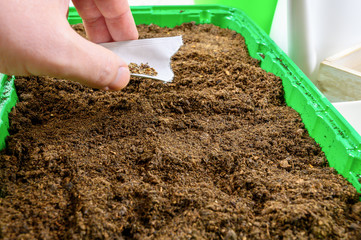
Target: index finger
[[118, 18], [93, 21], [109, 20]]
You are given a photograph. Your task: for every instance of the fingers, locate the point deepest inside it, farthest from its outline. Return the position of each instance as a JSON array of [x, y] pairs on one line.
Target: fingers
[[92, 65], [107, 20], [39, 41], [30, 47], [118, 18], [67, 55], [93, 21]]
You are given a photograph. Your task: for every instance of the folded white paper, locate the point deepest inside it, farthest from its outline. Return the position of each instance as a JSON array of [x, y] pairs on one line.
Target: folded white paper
[[156, 52]]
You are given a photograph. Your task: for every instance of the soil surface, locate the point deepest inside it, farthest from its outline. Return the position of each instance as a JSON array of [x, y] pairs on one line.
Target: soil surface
[[216, 154]]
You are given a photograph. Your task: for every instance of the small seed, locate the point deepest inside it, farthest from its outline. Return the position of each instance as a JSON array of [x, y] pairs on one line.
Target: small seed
[[142, 69]]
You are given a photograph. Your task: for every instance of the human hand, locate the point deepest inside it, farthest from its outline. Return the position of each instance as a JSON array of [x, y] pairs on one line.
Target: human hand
[[36, 39]]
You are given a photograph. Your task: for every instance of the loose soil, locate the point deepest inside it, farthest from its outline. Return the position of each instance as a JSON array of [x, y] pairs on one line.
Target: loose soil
[[216, 154]]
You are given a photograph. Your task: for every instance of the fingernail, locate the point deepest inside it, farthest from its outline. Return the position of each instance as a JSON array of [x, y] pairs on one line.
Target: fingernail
[[121, 80]]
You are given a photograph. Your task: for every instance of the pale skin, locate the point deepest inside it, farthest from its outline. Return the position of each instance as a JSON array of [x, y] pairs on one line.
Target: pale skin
[[36, 39]]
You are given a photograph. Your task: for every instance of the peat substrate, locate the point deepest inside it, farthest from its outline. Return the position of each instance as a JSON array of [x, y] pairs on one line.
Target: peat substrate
[[216, 154]]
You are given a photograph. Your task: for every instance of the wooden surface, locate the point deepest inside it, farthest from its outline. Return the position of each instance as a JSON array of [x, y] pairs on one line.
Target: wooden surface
[[340, 76]]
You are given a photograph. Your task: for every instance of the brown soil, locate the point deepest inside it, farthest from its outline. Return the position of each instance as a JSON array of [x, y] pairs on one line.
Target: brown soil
[[214, 155]]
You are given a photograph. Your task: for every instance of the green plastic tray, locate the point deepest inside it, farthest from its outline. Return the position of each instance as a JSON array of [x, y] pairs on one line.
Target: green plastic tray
[[260, 11], [340, 142], [8, 99]]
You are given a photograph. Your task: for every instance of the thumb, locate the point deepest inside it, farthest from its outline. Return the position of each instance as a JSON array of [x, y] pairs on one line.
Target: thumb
[[93, 65]]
